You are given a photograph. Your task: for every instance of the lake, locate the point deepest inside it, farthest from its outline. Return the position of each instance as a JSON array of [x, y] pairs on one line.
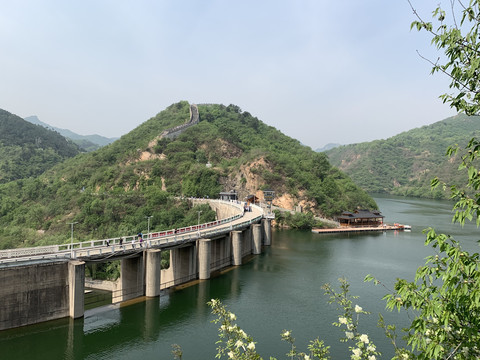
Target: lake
[[279, 289]]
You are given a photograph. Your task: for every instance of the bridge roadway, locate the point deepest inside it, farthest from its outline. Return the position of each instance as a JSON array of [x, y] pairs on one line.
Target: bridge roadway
[[117, 248]]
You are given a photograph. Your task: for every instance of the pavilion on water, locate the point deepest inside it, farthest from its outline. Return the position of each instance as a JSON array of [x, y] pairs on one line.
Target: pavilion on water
[[361, 218]]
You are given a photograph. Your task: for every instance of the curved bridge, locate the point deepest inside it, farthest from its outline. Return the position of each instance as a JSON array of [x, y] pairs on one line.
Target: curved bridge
[[40, 284], [125, 245]]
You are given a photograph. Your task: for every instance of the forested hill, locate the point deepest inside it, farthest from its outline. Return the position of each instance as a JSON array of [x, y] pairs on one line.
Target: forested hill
[[28, 150], [406, 163], [109, 192]]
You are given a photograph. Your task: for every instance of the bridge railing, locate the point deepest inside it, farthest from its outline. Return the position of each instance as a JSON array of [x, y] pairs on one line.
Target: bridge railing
[[70, 249]]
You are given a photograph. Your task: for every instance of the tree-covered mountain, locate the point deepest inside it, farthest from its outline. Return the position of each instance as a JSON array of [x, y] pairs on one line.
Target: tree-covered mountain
[[406, 163], [27, 150], [109, 192], [85, 142]]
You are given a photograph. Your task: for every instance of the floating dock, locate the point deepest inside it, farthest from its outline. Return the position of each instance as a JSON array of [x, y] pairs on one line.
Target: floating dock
[[397, 227]]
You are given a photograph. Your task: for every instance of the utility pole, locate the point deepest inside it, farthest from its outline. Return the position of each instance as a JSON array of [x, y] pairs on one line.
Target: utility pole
[[198, 222], [71, 239], [148, 226]]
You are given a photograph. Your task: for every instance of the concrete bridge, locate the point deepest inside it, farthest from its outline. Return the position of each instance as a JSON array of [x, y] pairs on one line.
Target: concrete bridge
[[46, 283]]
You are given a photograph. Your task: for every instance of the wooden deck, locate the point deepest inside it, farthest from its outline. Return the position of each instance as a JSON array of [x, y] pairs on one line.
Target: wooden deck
[[359, 229]]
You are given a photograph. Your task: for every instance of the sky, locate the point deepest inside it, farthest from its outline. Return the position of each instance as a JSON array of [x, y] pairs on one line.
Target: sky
[[319, 71]]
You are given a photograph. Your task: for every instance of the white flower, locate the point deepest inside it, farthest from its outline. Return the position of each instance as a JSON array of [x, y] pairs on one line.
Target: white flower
[[349, 334], [239, 343], [371, 357], [214, 302], [251, 346], [223, 328], [242, 334], [306, 357], [232, 316], [231, 355], [358, 309], [342, 320], [357, 352], [405, 356], [231, 328], [371, 348], [364, 338], [286, 333]]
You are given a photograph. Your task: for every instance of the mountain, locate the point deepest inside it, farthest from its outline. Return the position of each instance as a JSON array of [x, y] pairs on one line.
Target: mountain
[[406, 163], [85, 142], [111, 191], [28, 150], [327, 147]]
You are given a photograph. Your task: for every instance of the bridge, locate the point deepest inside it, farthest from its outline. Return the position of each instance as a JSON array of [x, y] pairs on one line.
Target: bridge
[[45, 283]]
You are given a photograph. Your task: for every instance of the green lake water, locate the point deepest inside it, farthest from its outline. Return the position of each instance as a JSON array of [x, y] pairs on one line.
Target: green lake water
[[280, 289]]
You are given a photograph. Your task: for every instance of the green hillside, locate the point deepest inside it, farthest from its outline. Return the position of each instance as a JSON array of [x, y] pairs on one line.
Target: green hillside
[[110, 192], [27, 150], [406, 163]]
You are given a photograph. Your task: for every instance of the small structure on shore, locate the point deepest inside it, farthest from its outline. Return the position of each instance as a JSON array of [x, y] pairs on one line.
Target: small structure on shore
[[228, 196], [361, 218], [252, 200]]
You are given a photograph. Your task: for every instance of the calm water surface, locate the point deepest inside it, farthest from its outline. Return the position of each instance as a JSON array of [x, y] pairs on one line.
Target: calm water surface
[[277, 290]]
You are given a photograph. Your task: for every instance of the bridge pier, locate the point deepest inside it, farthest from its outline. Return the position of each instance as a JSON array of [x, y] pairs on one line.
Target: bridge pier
[[184, 264], [267, 232], [76, 288], [131, 280], [153, 267], [221, 253], [257, 239], [237, 239], [247, 246], [204, 258]]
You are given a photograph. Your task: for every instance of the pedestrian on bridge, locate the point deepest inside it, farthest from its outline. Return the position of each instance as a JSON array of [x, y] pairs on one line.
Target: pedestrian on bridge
[[140, 238]]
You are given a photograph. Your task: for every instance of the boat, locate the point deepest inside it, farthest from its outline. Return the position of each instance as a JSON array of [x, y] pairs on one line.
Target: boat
[[402, 227]]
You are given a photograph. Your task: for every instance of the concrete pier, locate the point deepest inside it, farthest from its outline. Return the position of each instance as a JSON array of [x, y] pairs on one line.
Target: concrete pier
[[204, 258], [267, 232], [153, 265], [131, 280], [257, 239], [183, 262], [76, 288], [237, 239]]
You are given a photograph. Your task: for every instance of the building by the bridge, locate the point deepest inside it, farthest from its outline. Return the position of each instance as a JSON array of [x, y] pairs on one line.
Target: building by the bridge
[[230, 195], [252, 200], [361, 218]]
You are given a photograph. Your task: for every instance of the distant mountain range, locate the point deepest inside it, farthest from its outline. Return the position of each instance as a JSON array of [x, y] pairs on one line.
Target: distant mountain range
[[406, 163], [85, 142], [327, 147]]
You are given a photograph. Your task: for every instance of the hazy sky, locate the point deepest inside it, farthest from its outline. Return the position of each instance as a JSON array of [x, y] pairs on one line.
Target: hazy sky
[[320, 71]]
